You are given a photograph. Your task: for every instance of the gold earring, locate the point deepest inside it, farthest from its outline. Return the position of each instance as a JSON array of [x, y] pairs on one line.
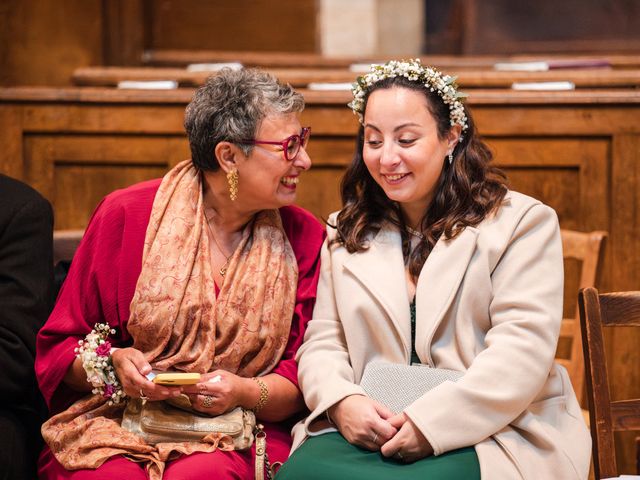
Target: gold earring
[[232, 179]]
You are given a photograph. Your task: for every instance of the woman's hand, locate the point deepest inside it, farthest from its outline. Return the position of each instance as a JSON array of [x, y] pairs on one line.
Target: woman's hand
[[409, 444], [131, 369], [218, 392], [363, 422]]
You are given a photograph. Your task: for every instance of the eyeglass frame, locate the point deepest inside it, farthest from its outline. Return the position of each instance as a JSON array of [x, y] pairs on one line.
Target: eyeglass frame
[[303, 138]]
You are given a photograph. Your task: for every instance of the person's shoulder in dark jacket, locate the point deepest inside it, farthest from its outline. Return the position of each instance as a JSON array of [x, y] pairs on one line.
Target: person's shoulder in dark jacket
[[16, 196], [26, 279]]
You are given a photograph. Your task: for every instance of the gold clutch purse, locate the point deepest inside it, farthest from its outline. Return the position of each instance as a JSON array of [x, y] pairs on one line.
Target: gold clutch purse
[[174, 421]]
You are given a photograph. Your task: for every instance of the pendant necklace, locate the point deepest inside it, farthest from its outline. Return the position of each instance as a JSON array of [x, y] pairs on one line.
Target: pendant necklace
[[223, 269], [415, 233]]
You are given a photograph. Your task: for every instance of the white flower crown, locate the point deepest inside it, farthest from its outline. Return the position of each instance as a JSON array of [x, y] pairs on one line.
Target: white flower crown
[[414, 71]]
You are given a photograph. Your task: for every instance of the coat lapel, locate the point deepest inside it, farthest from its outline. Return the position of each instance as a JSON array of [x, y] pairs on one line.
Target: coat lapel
[[438, 284], [380, 269]]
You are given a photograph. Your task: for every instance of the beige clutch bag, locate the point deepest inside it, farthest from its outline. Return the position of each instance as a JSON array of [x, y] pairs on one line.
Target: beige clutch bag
[[397, 386], [160, 422]]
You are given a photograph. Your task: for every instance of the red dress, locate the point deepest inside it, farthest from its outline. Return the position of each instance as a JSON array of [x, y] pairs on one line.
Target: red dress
[[99, 289]]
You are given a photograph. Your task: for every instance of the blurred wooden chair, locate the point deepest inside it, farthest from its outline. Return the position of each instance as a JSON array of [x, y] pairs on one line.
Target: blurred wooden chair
[[606, 416], [65, 243], [588, 249]]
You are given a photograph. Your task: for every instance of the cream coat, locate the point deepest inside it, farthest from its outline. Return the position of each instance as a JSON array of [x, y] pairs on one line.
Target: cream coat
[[488, 303]]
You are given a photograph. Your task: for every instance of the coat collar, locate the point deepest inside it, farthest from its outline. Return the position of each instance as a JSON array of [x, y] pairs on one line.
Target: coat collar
[[380, 269]]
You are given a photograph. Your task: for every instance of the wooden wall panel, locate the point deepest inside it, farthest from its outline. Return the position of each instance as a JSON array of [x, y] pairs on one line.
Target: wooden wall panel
[[76, 171], [330, 151], [546, 26], [260, 25], [78, 186], [126, 31], [319, 190], [624, 263], [11, 162], [43, 41]]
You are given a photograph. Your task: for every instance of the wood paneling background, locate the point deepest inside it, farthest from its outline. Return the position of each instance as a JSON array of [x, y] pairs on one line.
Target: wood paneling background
[[262, 25], [546, 26], [43, 41], [486, 77]]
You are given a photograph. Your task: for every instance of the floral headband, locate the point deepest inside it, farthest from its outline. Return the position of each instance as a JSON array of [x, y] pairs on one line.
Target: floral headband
[[414, 71]]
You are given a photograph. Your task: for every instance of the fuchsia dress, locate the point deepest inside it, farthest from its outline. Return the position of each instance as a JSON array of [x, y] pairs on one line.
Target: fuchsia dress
[[99, 288]]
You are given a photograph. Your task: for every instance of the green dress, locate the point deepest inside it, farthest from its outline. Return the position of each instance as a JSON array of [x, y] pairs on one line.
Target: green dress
[[330, 456]]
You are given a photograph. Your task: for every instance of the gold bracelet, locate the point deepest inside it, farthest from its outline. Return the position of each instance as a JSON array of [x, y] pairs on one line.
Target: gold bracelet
[[264, 395]]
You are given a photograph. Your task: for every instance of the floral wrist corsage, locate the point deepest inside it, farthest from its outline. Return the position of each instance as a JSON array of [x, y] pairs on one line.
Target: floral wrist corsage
[[95, 353]]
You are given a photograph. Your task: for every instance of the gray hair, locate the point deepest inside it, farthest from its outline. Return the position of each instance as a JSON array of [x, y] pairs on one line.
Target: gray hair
[[230, 106]]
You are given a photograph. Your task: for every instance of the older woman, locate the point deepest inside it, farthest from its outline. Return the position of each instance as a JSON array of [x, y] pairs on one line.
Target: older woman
[[433, 261], [210, 270]]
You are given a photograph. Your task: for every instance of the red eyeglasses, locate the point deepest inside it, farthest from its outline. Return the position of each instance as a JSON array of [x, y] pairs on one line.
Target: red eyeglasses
[[290, 146]]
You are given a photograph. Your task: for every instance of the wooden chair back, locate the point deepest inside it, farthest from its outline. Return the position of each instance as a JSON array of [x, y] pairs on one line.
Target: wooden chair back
[[606, 416], [65, 243], [588, 249]]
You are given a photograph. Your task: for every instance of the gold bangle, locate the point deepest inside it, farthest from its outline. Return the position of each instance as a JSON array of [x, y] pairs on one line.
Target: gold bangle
[[264, 395]]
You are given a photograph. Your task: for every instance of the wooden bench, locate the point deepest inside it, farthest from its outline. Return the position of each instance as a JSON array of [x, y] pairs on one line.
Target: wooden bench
[[301, 78], [184, 57]]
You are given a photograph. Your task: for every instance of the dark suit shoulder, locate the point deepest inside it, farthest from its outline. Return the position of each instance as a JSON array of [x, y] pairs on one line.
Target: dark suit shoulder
[[15, 193], [16, 197]]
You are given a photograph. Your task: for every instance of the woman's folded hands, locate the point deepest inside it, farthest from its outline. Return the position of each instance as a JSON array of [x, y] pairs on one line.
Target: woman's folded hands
[[409, 444], [363, 422], [368, 424]]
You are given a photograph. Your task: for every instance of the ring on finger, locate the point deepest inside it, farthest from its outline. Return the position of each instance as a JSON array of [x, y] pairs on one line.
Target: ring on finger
[[400, 457], [375, 437], [207, 401], [143, 397]]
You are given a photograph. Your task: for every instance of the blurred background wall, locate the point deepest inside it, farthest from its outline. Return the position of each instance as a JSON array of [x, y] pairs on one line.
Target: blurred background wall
[[43, 41]]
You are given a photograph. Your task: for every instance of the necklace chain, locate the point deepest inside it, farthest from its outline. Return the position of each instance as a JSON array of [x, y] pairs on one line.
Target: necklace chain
[[223, 268], [414, 232]]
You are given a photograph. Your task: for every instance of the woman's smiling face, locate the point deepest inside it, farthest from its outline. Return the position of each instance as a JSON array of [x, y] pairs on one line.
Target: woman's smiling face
[[266, 178], [402, 149]]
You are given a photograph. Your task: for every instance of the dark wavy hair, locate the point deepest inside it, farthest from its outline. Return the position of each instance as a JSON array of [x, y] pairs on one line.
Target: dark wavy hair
[[468, 190]]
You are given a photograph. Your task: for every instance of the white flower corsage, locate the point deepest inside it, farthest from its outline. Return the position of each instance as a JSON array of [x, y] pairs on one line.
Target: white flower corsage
[[95, 353]]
